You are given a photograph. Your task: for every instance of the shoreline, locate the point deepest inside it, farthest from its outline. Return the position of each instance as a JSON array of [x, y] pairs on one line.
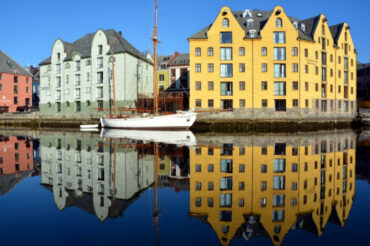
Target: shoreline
[[34, 121]]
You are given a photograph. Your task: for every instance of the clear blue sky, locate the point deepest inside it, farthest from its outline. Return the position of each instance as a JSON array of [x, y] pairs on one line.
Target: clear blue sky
[[28, 28]]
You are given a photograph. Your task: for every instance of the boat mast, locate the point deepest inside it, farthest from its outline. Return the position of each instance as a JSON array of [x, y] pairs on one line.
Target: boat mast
[[114, 83], [156, 213], [155, 41]]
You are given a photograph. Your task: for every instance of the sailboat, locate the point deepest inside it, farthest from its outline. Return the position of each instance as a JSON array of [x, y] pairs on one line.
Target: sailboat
[[179, 120]]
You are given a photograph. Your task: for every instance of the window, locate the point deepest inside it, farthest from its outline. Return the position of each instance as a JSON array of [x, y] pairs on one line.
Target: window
[[294, 167], [264, 85], [226, 183], [99, 92], [295, 102], [306, 103], [227, 104], [226, 88], [241, 186], [280, 105], [279, 182], [198, 85], [210, 67], [241, 51], [225, 37], [279, 165], [210, 168], [242, 85], [323, 74], [278, 215], [323, 58], [210, 85], [241, 168], [100, 77], [263, 168], [241, 67], [278, 200], [295, 67], [78, 106], [264, 103], [264, 67], [198, 68], [263, 188], [198, 186], [210, 103], [294, 51], [279, 22], [226, 54], [161, 77], [15, 100], [279, 54], [77, 93], [77, 79], [279, 70], [250, 23], [210, 51], [225, 22], [306, 68], [197, 51], [226, 70], [225, 200], [279, 37], [210, 185], [279, 89], [241, 103], [100, 49], [198, 103], [316, 55], [263, 51]]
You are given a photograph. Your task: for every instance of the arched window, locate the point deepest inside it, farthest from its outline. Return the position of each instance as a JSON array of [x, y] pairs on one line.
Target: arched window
[[279, 22], [225, 22], [197, 51]]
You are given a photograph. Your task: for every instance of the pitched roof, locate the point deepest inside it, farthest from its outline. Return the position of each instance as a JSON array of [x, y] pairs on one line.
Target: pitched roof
[[259, 19], [8, 65], [163, 59], [82, 47], [181, 59], [335, 31]]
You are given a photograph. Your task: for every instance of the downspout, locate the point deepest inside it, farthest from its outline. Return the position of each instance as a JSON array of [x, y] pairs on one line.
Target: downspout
[[252, 78]]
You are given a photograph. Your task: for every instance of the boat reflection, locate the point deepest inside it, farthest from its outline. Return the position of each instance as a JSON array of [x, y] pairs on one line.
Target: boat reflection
[[241, 186], [266, 186]]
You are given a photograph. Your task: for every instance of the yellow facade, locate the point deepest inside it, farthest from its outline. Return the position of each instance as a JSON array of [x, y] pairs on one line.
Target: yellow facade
[[315, 180], [163, 79], [307, 93]]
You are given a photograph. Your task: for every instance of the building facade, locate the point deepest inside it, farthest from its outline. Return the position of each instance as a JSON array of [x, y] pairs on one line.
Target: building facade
[[15, 85], [264, 186], [78, 80], [264, 64], [96, 174]]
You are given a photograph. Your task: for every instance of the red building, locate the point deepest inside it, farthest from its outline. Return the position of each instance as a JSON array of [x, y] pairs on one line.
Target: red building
[[15, 155], [15, 85]]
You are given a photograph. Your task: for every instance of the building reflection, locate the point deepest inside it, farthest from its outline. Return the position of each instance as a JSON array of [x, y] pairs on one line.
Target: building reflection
[[16, 161], [267, 185], [100, 176]]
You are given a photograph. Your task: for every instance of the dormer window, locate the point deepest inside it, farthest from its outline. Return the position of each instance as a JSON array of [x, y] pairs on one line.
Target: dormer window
[[279, 22], [58, 57], [252, 33], [247, 14], [225, 22], [250, 23], [100, 49], [303, 27], [295, 24]]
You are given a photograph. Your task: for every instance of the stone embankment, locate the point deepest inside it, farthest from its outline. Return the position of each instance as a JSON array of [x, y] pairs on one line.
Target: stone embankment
[[34, 121]]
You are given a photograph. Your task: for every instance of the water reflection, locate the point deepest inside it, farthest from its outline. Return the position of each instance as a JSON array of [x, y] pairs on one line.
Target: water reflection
[[16, 161], [266, 186], [101, 177], [240, 186]]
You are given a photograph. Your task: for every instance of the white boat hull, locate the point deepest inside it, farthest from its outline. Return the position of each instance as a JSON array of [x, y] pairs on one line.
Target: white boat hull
[[89, 126], [183, 138], [181, 120]]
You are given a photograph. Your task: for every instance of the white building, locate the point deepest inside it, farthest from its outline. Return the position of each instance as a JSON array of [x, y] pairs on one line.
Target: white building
[[77, 78]]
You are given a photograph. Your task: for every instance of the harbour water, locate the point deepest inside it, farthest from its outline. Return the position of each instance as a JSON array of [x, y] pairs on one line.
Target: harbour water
[[69, 188]]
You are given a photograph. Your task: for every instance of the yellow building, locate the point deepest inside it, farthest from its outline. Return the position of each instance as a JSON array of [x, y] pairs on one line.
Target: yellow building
[[269, 185], [163, 73], [264, 64]]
